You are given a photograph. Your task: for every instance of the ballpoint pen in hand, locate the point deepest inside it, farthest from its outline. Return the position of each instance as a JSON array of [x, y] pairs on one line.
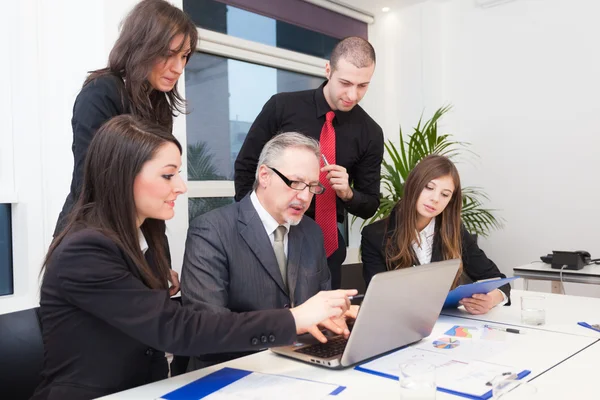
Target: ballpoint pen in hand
[[358, 296], [324, 159], [501, 328]]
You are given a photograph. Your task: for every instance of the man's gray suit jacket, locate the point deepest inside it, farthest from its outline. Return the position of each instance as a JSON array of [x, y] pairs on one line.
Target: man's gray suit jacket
[[230, 264]]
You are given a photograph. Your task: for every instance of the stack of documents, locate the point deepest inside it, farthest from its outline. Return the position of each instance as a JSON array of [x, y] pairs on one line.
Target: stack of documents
[[231, 383]]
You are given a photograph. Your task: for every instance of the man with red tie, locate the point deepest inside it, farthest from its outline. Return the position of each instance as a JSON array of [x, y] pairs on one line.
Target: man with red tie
[[350, 140]]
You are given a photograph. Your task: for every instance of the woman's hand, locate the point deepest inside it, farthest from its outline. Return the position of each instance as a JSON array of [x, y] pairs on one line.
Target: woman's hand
[[321, 309], [482, 303]]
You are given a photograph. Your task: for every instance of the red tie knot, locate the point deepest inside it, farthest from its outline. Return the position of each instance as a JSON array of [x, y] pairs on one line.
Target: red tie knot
[[329, 116]]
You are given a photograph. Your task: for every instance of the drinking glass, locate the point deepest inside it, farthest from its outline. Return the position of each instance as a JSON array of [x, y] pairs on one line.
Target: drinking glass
[[533, 310], [417, 380], [512, 389]]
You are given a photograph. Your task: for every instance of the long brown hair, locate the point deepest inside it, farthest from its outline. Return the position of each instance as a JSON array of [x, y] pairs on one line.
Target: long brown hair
[[146, 34], [115, 157], [398, 247]]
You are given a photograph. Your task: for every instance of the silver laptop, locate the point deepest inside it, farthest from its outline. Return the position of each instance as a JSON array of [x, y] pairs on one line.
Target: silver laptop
[[400, 307]]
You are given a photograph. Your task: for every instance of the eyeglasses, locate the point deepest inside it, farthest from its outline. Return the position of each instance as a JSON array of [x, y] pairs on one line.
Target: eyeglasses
[[317, 188]]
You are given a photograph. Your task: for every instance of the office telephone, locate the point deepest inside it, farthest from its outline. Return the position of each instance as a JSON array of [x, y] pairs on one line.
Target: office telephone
[[573, 260]]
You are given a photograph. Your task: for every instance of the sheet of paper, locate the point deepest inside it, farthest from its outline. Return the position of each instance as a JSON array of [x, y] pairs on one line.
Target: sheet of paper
[[257, 386], [390, 364], [463, 349], [472, 378], [451, 374]]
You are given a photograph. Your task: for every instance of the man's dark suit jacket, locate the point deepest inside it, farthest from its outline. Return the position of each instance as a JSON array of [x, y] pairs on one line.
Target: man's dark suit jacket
[[230, 264], [476, 265], [101, 323]]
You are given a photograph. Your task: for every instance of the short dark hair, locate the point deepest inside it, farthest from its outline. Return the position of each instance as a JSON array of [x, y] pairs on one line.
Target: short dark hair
[[115, 157], [356, 50]]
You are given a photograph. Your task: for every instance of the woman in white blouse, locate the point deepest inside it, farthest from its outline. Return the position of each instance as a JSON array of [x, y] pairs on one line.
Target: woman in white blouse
[[424, 227]]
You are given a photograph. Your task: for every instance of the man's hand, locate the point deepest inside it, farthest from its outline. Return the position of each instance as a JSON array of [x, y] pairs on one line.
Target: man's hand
[[336, 325], [338, 179], [321, 309], [482, 303], [174, 289]]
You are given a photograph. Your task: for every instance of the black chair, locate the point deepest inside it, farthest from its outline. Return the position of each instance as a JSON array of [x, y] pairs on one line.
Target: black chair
[[21, 353], [352, 278]]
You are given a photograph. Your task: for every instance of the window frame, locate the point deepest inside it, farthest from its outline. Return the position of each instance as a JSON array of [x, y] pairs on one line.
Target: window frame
[[222, 45]]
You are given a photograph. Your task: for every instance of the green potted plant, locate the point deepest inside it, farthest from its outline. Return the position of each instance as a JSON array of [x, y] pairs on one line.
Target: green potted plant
[[426, 140]]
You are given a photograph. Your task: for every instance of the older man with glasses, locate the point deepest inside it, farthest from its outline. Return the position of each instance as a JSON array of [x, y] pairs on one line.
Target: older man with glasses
[[261, 253]]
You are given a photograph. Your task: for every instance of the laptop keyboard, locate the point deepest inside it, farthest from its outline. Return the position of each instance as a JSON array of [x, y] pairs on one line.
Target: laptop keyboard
[[333, 347]]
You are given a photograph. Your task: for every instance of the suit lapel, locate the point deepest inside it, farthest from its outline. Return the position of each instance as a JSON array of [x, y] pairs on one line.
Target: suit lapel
[[253, 232], [295, 243], [436, 251]]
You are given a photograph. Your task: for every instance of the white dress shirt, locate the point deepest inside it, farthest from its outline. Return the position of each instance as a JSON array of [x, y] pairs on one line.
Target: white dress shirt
[[142, 240], [270, 223], [424, 250]]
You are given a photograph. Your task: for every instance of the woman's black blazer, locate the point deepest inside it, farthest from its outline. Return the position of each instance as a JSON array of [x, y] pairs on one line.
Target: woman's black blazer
[[97, 102], [476, 265], [101, 324]]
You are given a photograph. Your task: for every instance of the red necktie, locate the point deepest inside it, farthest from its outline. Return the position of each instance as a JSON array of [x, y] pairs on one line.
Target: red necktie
[[325, 210]]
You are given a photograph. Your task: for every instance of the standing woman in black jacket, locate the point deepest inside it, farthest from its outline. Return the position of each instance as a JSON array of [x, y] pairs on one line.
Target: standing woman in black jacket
[[154, 45], [105, 308], [424, 227]]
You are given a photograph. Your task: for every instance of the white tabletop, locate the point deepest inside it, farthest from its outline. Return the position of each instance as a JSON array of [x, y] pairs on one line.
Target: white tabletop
[[576, 377], [591, 269], [538, 350], [562, 313]]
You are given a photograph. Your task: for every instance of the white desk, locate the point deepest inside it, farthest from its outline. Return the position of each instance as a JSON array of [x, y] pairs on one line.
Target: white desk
[[555, 342], [562, 313], [576, 377], [590, 274]]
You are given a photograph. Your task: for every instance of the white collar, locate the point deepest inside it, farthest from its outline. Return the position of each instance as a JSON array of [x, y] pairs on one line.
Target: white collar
[[428, 231], [267, 219], [142, 241]]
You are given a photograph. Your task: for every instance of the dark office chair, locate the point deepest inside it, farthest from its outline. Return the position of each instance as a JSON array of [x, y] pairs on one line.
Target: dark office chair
[[352, 278], [21, 353]]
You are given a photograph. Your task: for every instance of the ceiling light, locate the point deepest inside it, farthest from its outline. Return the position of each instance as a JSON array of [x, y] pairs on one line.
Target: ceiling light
[[385, 9]]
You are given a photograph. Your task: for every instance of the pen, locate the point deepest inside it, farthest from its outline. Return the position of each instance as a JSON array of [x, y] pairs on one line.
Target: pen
[[324, 159], [499, 328], [595, 327], [508, 375], [358, 296]]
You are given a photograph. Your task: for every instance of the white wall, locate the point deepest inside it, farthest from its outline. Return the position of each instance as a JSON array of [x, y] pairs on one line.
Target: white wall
[[524, 81], [49, 48]]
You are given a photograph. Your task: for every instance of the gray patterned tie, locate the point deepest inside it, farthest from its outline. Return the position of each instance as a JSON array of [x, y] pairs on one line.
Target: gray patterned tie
[[280, 253]]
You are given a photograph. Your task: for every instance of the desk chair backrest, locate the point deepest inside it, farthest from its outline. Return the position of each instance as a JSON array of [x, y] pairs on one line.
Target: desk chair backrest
[[21, 353]]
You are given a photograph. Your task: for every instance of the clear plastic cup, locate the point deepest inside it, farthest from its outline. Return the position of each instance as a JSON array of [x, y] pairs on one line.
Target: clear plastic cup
[[533, 310], [417, 380], [513, 389]]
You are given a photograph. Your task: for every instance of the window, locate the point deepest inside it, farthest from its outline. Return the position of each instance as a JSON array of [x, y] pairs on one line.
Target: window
[[200, 205], [224, 97], [248, 51], [261, 27], [6, 263]]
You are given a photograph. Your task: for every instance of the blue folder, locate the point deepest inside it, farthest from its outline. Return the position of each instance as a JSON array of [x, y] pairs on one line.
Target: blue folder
[[487, 395], [462, 291], [215, 381], [590, 326]]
